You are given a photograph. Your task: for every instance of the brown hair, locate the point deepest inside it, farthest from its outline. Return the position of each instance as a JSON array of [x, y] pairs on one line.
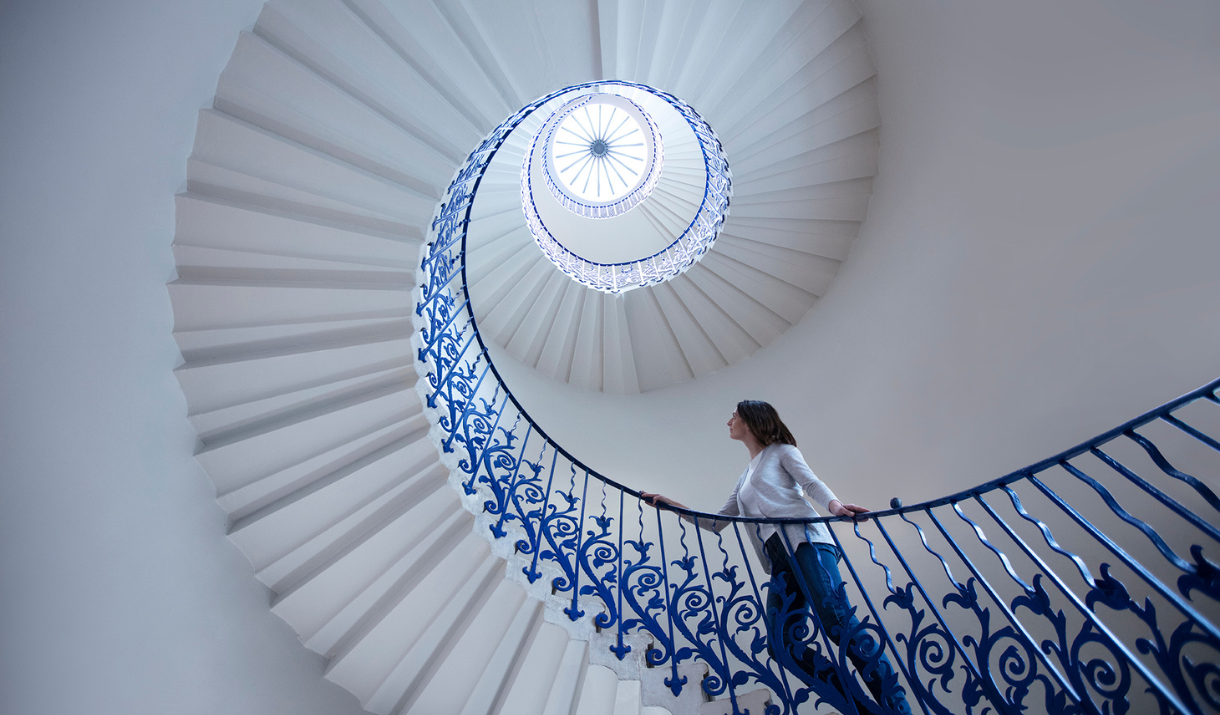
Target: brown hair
[[764, 422]]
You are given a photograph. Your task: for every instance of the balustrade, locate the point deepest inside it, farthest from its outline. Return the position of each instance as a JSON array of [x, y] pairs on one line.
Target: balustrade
[[1085, 583]]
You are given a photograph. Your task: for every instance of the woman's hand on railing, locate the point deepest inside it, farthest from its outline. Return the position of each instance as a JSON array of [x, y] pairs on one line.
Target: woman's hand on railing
[[847, 511], [659, 501]]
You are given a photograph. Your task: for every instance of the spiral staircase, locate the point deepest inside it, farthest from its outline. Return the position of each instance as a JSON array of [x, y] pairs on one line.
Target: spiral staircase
[[335, 128], [312, 194]]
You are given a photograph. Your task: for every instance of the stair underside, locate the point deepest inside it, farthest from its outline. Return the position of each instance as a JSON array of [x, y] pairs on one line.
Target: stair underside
[[335, 129]]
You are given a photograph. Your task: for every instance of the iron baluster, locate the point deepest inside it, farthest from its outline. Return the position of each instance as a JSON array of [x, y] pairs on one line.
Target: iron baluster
[[436, 289], [1159, 459], [504, 496], [442, 332], [674, 683], [1169, 554], [689, 596], [619, 649], [1028, 640], [603, 551], [525, 487], [722, 668], [1081, 566], [746, 614], [575, 611], [562, 530], [476, 458], [1064, 650], [1130, 562], [953, 638], [847, 692], [532, 572], [463, 370], [782, 680], [1192, 431], [645, 588], [966, 597], [875, 663], [978, 532], [1186, 514], [443, 381], [469, 402]]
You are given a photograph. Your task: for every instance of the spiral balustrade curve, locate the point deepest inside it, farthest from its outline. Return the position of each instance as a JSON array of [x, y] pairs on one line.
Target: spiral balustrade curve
[[545, 137], [1085, 583], [686, 248]]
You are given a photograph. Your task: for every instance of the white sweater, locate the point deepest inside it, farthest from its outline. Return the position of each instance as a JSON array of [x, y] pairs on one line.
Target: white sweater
[[769, 491]]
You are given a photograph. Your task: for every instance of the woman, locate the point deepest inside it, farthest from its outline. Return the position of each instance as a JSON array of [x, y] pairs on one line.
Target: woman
[[768, 489]]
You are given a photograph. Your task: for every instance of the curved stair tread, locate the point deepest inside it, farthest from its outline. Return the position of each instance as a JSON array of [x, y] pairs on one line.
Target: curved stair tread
[[336, 126]]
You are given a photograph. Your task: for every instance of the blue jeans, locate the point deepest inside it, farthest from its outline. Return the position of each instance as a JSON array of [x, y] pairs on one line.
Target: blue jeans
[[818, 570]]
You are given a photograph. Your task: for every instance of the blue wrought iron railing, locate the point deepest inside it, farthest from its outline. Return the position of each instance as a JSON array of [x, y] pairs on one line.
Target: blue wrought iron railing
[[606, 209], [1080, 584], [683, 252]]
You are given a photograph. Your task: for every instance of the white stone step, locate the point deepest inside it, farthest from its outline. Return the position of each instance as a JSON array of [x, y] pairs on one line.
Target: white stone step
[[266, 87], [254, 411], [226, 141], [340, 630], [785, 300], [211, 301], [698, 349], [336, 127], [652, 335], [506, 663], [529, 298], [599, 692], [388, 653], [224, 376], [318, 597], [555, 359], [530, 337], [538, 671], [814, 84], [224, 184], [246, 499], [334, 41], [293, 529], [239, 458], [749, 703], [810, 273], [214, 223], [535, 52], [783, 48], [412, 675]]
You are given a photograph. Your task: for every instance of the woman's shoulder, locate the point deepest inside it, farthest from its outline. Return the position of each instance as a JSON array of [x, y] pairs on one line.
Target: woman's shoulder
[[783, 451]]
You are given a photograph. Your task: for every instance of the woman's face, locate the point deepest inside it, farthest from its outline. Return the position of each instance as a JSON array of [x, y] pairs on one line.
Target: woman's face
[[737, 427]]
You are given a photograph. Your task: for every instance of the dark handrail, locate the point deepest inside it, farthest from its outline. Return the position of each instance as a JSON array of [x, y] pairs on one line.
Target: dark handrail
[[1000, 640]]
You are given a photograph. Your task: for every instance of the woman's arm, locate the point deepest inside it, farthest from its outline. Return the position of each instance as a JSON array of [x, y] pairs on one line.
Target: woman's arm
[[653, 499], [816, 489], [838, 508], [729, 509]]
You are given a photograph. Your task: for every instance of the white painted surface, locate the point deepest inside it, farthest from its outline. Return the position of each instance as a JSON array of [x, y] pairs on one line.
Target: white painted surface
[[1029, 211], [120, 592], [1038, 264]]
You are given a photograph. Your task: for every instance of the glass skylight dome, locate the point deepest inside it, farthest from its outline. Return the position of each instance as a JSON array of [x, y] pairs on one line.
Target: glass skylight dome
[[600, 152], [603, 155]]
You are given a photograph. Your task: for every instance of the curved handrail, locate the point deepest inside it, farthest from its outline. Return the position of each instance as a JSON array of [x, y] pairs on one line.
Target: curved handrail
[[596, 210], [679, 254], [1136, 632]]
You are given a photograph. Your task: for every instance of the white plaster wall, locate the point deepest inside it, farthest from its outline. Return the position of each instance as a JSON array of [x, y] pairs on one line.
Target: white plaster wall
[[1039, 263], [119, 592]]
